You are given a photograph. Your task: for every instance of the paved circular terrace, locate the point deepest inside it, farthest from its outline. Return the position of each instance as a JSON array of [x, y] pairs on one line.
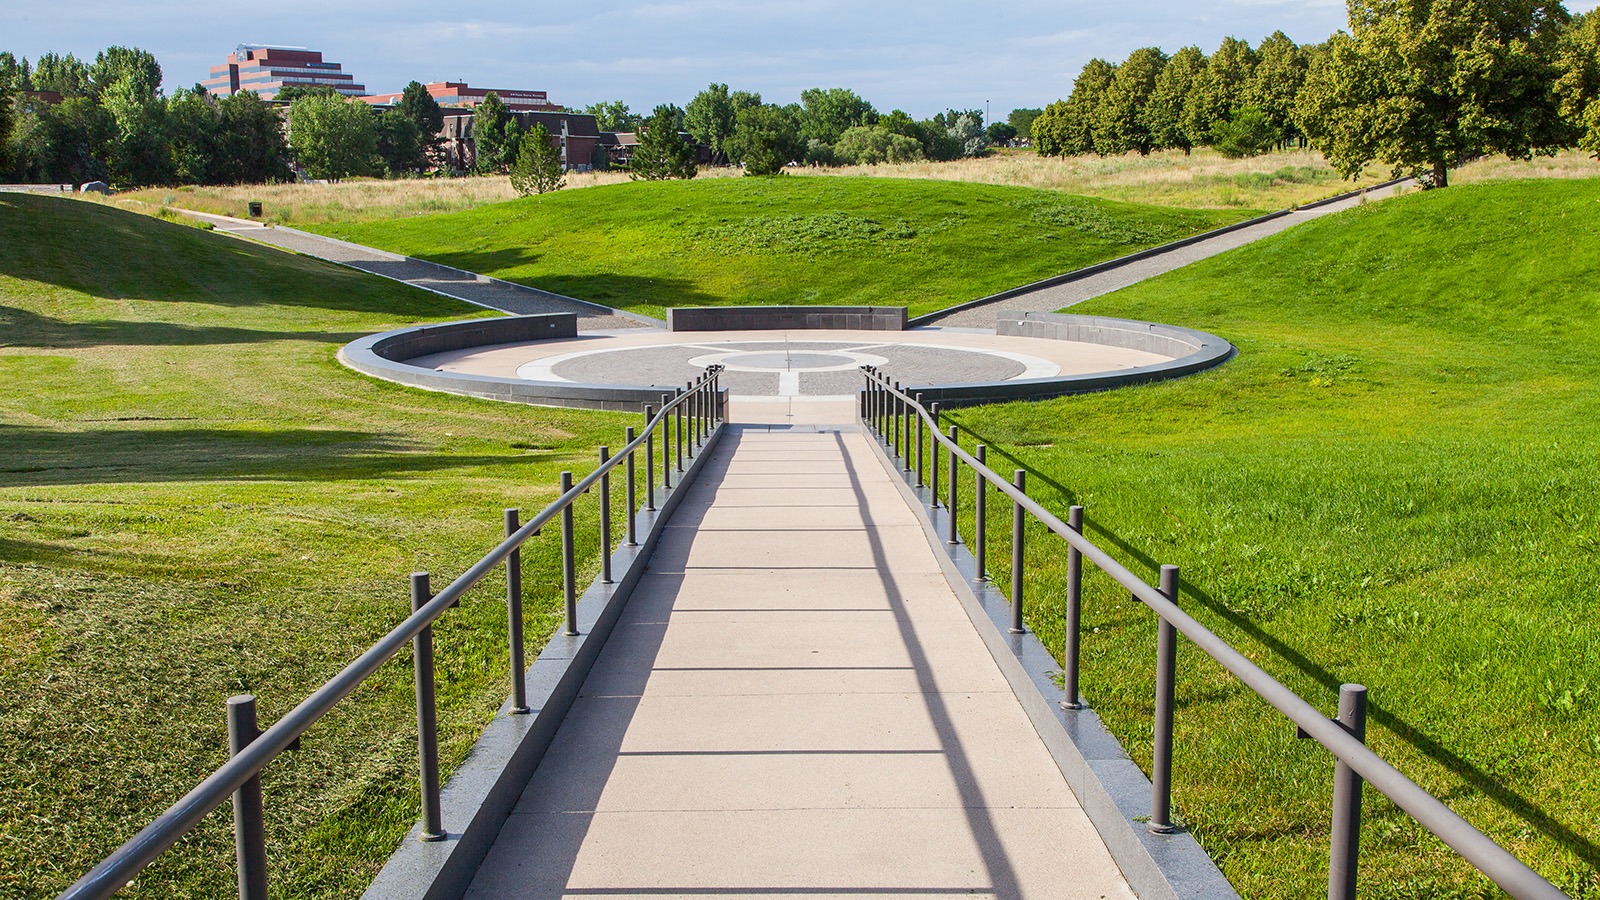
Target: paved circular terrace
[[774, 365]]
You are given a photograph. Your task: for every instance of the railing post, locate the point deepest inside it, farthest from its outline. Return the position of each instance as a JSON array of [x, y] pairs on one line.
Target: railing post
[[649, 461], [905, 433], [427, 724], [677, 427], [633, 491], [1071, 653], [922, 438], [980, 515], [666, 442], [519, 684], [1019, 479], [1345, 850], [249, 827], [933, 501], [950, 503], [569, 574], [605, 518], [1166, 687]]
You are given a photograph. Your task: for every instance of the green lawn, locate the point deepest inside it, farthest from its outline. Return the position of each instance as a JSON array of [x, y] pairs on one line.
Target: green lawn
[[1394, 483], [922, 244], [197, 500]]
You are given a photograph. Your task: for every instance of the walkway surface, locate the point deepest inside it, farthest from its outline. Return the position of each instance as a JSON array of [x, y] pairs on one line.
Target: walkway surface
[[1063, 295], [796, 704], [516, 300]]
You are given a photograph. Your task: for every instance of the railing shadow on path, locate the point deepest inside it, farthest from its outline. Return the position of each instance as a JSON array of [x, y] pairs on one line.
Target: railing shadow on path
[[1427, 745]]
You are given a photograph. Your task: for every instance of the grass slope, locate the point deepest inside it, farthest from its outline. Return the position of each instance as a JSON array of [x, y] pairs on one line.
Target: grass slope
[[1393, 484], [197, 500], [917, 243]]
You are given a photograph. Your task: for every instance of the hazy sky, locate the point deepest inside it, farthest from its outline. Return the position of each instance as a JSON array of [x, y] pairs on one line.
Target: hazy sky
[[921, 57]]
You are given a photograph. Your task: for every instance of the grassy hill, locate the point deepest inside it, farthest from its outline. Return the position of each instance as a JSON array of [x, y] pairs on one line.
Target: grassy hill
[[736, 241], [1394, 484], [197, 500]]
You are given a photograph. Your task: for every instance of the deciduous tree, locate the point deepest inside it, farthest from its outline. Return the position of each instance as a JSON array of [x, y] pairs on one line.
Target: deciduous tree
[[1164, 114], [1066, 127], [766, 139], [1422, 84], [1022, 121], [613, 116], [332, 137], [827, 113], [662, 152], [1275, 83], [1119, 125]]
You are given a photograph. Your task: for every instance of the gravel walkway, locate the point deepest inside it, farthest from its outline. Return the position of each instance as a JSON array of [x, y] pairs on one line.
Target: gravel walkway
[[513, 299], [1060, 296]]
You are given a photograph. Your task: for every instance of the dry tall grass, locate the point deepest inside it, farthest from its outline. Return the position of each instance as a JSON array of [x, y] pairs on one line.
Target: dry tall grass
[[1201, 180]]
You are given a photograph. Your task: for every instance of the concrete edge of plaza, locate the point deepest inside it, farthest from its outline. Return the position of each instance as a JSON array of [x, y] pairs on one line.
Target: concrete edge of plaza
[[1190, 351], [1137, 255], [384, 355], [482, 791], [1111, 788]]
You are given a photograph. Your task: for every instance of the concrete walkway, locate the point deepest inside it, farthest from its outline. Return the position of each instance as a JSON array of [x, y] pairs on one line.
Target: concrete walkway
[[795, 703], [1060, 296], [513, 299]]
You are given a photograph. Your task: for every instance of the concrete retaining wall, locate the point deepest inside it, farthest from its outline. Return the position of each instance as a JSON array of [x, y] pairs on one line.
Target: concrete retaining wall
[[1191, 351], [386, 356], [774, 318]]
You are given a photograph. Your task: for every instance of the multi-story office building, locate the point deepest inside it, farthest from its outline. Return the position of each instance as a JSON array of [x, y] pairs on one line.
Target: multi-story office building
[[268, 70]]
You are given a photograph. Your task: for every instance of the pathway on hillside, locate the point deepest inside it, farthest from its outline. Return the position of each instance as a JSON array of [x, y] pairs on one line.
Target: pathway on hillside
[[795, 703], [514, 299], [1059, 296]]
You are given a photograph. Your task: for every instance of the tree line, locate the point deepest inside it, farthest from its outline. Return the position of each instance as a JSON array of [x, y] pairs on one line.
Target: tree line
[[1420, 85]]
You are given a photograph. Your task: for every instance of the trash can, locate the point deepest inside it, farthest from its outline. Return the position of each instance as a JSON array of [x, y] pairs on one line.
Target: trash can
[[255, 209]]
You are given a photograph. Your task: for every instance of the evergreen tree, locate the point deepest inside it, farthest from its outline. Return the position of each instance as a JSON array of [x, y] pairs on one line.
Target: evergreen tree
[[399, 142], [1422, 84], [417, 105], [1164, 116], [1119, 124], [494, 136], [661, 152], [538, 166]]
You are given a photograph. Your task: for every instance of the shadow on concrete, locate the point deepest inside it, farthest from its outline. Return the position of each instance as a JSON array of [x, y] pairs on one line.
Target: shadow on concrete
[[1421, 741]]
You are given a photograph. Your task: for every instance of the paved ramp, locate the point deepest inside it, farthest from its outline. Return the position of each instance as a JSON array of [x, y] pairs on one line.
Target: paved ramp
[[795, 704]]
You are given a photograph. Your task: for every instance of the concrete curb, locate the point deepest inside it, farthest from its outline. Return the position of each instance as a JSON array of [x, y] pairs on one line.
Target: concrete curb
[[1113, 791], [1119, 262], [368, 356], [1192, 351], [484, 789]]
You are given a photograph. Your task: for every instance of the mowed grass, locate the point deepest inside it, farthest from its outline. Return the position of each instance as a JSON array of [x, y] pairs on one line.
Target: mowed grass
[[1393, 484], [197, 500], [646, 246]]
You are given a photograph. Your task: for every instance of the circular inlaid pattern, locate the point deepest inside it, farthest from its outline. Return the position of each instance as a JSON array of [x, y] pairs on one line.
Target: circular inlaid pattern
[[786, 368]]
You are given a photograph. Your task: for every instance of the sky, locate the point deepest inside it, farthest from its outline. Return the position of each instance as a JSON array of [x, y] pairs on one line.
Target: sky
[[923, 57]]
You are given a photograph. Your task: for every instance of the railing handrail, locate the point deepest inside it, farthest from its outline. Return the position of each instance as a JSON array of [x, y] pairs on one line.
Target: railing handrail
[[1496, 862], [123, 864]]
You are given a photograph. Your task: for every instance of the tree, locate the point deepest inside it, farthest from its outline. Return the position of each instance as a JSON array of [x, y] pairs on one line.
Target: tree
[[766, 139], [1119, 123], [419, 106], [1422, 84], [827, 113], [1066, 127], [868, 145], [140, 151], [66, 75], [494, 136], [194, 130], [1577, 88], [711, 117], [1219, 90], [612, 116], [1000, 133], [295, 91], [332, 137], [1250, 132], [136, 68], [1164, 112], [1022, 121], [661, 152], [399, 142], [252, 145], [967, 132], [538, 166], [8, 116], [1276, 82]]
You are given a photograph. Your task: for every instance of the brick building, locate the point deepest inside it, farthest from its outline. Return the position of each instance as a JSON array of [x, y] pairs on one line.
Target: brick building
[[460, 94], [576, 134], [268, 70]]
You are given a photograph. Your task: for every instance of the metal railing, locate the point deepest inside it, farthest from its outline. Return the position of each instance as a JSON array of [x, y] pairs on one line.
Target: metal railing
[[687, 417], [898, 419]]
